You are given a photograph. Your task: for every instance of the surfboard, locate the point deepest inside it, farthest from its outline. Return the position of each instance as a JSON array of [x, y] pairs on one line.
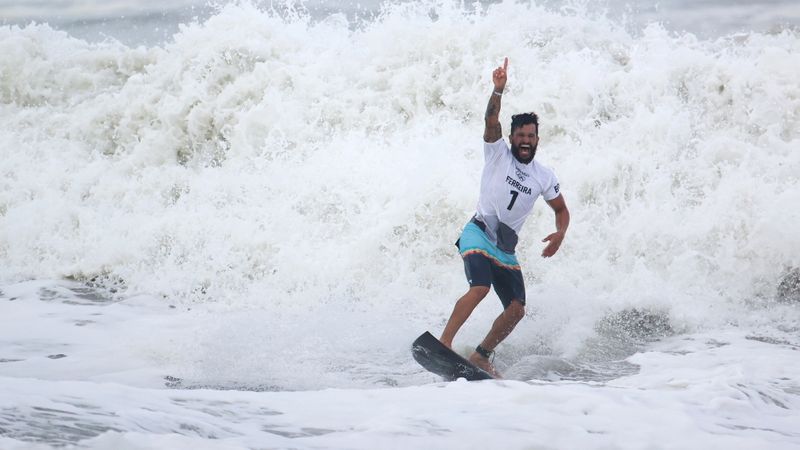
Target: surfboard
[[434, 356]]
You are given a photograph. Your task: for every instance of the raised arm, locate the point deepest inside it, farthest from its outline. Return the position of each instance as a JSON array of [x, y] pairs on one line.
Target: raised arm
[[494, 131]]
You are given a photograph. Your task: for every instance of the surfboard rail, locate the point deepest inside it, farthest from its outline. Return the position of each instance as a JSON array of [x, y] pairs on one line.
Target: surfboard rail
[[435, 357]]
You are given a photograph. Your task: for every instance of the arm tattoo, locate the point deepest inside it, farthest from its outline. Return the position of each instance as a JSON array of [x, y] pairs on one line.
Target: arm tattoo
[[493, 130], [492, 133], [492, 109]]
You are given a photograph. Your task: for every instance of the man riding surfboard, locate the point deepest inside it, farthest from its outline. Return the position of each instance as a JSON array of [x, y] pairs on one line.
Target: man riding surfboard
[[510, 184]]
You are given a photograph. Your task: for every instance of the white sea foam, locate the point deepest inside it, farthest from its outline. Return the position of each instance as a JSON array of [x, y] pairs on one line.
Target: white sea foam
[[271, 198]]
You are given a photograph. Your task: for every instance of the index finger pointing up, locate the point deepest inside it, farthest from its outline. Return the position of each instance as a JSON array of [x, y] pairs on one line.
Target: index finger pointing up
[[505, 64]]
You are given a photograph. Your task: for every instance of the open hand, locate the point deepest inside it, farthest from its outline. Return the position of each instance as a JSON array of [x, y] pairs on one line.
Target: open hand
[[554, 240]]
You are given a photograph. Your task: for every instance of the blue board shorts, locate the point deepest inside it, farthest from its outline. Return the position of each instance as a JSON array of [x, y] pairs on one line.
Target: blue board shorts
[[487, 265]]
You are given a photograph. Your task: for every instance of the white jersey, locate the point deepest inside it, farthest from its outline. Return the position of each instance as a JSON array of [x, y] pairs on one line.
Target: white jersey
[[509, 189]]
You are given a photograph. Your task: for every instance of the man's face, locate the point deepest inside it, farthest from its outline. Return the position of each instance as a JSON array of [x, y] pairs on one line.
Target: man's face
[[524, 141]]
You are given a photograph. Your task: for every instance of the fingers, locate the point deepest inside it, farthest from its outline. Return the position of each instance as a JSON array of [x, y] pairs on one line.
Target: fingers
[[499, 76], [552, 247], [501, 71]]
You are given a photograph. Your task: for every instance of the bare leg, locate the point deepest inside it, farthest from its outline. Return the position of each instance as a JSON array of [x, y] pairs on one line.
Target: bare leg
[[461, 312], [501, 328]]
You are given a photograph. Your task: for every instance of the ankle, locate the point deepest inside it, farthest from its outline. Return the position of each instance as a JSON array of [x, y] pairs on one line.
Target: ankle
[[484, 353]]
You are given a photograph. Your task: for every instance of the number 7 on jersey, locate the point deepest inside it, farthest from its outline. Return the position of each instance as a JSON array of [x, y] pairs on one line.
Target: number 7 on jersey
[[514, 195]]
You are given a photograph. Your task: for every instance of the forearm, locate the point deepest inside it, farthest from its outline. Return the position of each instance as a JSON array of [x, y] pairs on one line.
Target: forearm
[[562, 223], [493, 130], [562, 220]]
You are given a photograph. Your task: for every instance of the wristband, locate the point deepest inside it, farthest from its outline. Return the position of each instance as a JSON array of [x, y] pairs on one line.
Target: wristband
[[499, 94]]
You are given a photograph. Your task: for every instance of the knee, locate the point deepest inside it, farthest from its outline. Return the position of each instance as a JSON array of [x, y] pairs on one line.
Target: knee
[[516, 310], [479, 292]]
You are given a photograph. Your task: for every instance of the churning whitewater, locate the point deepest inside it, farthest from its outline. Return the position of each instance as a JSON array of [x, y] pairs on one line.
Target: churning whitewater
[[229, 239]]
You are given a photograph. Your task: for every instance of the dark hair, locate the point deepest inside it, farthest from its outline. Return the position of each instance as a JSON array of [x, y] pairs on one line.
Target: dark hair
[[518, 120]]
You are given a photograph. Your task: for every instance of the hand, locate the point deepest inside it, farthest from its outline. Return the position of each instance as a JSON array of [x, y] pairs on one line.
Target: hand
[[499, 76], [554, 243]]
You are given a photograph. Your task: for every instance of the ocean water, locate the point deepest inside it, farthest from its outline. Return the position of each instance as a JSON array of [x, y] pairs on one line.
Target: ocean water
[[221, 226]]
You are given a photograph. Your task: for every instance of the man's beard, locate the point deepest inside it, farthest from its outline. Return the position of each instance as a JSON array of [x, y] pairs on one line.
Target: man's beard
[[515, 152]]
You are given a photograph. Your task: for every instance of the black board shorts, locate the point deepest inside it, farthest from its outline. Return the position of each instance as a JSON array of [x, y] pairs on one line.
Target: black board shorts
[[508, 283], [487, 265]]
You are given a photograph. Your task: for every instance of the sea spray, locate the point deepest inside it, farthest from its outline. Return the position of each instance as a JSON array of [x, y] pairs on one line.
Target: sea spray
[[309, 177]]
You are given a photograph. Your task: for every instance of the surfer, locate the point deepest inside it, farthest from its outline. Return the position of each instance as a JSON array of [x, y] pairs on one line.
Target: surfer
[[510, 184]]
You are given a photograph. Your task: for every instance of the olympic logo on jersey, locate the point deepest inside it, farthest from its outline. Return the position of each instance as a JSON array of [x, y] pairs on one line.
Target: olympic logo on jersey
[[520, 174]]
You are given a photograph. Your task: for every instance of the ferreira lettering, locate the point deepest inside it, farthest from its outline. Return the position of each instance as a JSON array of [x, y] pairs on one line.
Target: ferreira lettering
[[518, 186]]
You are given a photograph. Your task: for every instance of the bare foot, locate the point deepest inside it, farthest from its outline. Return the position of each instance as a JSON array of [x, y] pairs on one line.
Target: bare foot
[[484, 363]]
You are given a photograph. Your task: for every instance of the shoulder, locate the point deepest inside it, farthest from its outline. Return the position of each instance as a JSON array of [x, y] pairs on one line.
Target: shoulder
[[496, 148], [498, 144], [547, 180], [544, 175], [541, 171]]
